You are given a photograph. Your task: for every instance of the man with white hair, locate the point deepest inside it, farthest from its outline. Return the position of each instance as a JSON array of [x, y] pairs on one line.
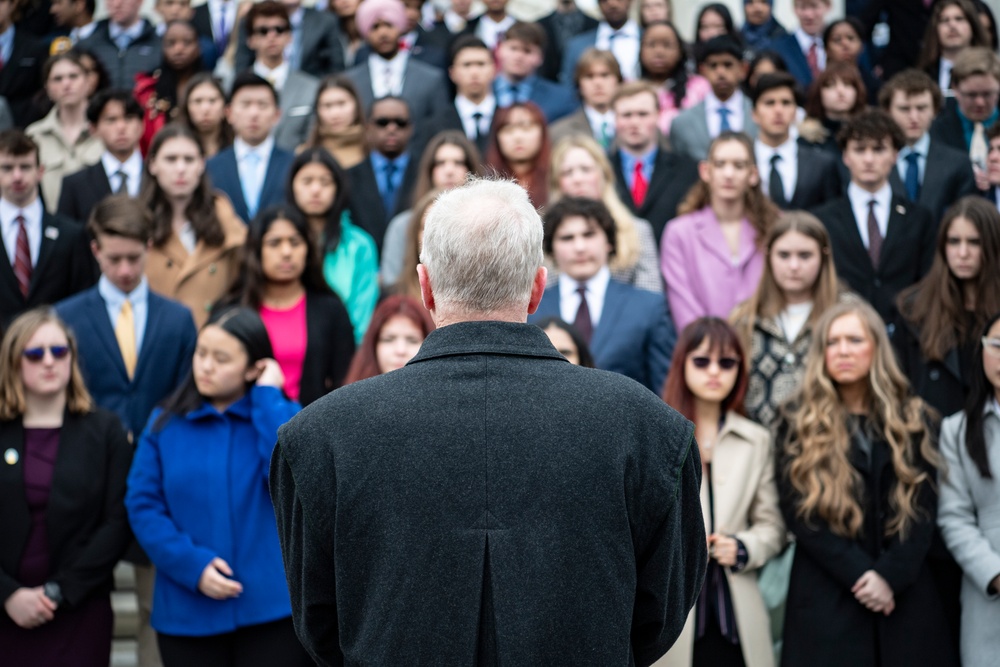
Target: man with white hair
[[489, 502]]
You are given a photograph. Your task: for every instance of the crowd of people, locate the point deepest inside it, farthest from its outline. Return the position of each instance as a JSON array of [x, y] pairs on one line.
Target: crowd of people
[[790, 234]]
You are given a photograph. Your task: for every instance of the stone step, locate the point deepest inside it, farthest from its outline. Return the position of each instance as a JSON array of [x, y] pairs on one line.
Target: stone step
[[123, 653]]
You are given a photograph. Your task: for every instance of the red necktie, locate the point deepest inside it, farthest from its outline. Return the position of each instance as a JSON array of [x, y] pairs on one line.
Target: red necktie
[[639, 185], [22, 257], [812, 58], [874, 236]]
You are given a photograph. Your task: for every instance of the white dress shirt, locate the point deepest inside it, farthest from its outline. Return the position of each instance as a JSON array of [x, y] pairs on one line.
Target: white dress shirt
[[217, 8], [735, 106], [114, 299], [624, 44], [276, 77], [599, 120], [132, 168], [805, 41], [944, 74], [569, 298], [241, 149], [32, 225], [489, 30], [787, 166], [387, 75], [921, 146], [466, 109], [859, 205]]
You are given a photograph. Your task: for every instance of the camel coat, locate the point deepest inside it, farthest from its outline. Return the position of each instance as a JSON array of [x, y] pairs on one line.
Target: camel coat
[[198, 279], [746, 506]]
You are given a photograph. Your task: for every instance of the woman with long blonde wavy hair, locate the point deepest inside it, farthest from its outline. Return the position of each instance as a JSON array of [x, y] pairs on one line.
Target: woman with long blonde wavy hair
[[856, 474], [580, 168]]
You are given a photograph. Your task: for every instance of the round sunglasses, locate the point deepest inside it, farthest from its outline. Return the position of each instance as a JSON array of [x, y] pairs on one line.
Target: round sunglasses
[[36, 354], [725, 363]]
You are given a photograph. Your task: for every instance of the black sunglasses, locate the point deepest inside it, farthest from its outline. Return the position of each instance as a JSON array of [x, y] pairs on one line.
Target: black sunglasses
[[386, 122], [725, 363], [35, 354], [276, 29]]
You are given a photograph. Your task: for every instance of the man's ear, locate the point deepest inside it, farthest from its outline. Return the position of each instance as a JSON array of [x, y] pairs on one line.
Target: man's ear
[[537, 289], [426, 293]]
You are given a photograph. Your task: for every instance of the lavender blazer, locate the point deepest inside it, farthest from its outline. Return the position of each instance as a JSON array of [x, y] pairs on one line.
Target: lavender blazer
[[702, 278]]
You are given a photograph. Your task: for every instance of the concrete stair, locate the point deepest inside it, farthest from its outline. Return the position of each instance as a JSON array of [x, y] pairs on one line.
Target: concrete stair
[[126, 609]]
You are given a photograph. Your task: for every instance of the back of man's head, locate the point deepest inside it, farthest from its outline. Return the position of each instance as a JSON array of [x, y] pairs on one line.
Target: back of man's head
[[482, 248]]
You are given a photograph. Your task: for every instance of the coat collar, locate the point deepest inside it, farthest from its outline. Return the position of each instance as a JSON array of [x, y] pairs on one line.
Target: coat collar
[[504, 338]]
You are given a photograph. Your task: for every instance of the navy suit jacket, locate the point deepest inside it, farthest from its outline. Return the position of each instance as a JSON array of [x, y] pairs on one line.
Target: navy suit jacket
[[788, 48], [555, 100], [574, 49], [635, 336], [226, 177], [164, 359]]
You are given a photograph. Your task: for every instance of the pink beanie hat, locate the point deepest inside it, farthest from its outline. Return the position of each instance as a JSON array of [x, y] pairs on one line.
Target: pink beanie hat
[[371, 12]]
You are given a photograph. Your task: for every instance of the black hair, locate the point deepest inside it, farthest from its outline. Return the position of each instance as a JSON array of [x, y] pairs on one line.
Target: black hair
[[103, 80], [718, 46], [582, 349], [248, 79], [723, 12], [240, 322], [393, 98], [981, 391], [678, 82], [769, 82], [465, 42], [104, 97], [319, 155], [590, 209]]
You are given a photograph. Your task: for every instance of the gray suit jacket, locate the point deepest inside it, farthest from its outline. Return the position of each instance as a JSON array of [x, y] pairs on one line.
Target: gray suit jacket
[[489, 501], [424, 89], [574, 124], [969, 519], [297, 99], [689, 131]]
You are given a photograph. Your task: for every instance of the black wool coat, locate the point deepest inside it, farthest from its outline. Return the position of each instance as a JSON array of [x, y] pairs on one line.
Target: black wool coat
[[489, 503]]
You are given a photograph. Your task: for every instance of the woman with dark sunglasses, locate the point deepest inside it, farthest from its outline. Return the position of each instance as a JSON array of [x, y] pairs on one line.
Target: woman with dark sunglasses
[[707, 382], [62, 512]]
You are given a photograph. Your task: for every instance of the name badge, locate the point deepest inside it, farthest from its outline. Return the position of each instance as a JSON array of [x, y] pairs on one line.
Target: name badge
[[52, 233]]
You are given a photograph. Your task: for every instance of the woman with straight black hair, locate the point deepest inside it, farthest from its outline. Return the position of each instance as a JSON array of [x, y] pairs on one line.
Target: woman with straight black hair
[[198, 504], [308, 324], [317, 190], [970, 500], [567, 340]]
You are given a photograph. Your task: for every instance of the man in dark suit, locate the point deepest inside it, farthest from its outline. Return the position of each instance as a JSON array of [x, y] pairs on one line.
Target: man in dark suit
[[22, 57], [975, 79], [793, 175], [381, 184], [252, 171], [316, 46], [491, 24], [540, 513], [628, 329], [616, 32], [564, 23], [519, 55], [927, 171], [803, 50], [117, 120], [46, 255], [215, 20], [651, 180], [881, 242]]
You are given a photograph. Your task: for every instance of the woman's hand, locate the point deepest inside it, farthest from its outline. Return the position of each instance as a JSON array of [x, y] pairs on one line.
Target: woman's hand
[[723, 549], [215, 581], [874, 593], [270, 374], [29, 607]]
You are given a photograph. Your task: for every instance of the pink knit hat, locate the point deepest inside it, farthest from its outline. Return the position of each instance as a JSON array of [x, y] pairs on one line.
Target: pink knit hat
[[371, 12]]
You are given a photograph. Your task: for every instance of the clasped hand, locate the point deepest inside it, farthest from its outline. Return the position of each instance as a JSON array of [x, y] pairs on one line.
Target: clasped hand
[[30, 607], [216, 581], [874, 593]]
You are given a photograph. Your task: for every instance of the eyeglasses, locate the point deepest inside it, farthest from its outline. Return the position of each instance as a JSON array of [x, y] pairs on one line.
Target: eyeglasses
[[991, 346], [264, 31], [386, 122], [725, 363], [984, 95], [36, 354]]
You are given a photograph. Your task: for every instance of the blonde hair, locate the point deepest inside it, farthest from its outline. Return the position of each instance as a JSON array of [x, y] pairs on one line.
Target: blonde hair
[[626, 235], [12, 394], [818, 446]]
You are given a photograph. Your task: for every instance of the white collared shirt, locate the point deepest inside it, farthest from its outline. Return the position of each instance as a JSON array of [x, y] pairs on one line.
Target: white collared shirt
[[599, 120], [241, 149], [114, 299], [735, 106], [859, 205], [466, 108], [489, 30], [276, 77], [805, 41], [134, 31], [77, 35], [569, 298], [921, 146], [132, 168], [625, 46], [32, 213], [787, 166], [217, 8], [387, 75], [944, 74]]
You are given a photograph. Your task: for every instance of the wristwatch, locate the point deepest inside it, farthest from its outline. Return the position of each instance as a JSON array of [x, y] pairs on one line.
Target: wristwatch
[[53, 592]]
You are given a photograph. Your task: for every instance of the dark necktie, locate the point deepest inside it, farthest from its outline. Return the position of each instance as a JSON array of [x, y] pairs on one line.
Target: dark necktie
[[389, 196], [912, 180], [583, 323], [22, 257], [477, 117], [122, 183], [874, 235], [776, 186]]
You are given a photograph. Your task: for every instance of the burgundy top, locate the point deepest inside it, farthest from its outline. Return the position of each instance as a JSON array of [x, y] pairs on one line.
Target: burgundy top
[[41, 445]]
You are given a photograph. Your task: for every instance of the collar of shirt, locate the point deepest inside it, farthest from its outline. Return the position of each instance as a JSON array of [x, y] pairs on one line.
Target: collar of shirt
[[944, 74], [787, 165], [216, 7], [734, 104], [969, 127], [525, 85], [32, 223], [992, 406], [596, 288], [277, 76], [647, 160], [604, 32], [114, 297], [921, 146], [489, 30], [133, 32], [132, 167], [859, 199], [397, 66], [598, 119], [76, 35], [805, 41], [466, 107], [242, 148]]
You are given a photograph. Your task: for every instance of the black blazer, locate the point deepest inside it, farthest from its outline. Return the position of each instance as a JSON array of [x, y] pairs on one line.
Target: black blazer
[[673, 176], [907, 251], [817, 180], [947, 129], [21, 77], [448, 119], [81, 192], [947, 178], [552, 64], [87, 526], [329, 346], [367, 210], [65, 267]]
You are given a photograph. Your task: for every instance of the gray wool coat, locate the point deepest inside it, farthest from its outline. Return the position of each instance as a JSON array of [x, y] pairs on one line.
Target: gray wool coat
[[489, 503], [969, 519]]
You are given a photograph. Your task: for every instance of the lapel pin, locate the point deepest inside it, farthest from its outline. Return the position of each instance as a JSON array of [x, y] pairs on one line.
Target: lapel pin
[[52, 233], [10, 456], [212, 269], [900, 209]]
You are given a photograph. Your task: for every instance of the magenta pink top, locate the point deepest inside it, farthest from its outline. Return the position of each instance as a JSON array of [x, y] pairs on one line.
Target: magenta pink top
[[697, 88], [287, 330]]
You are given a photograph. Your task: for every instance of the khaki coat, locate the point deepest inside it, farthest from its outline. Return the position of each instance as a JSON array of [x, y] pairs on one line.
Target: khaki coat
[[198, 279]]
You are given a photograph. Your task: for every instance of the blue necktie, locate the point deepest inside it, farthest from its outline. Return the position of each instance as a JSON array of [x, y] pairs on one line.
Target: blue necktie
[[389, 195], [251, 182], [724, 120], [912, 181]]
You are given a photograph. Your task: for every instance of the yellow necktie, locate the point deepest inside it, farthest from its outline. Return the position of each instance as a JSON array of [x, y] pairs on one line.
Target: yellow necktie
[[125, 333]]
